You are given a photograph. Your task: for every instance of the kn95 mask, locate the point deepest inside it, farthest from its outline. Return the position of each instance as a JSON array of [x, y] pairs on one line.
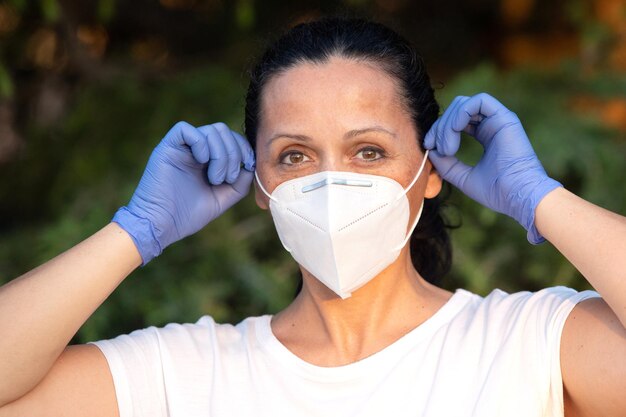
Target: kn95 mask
[[343, 227]]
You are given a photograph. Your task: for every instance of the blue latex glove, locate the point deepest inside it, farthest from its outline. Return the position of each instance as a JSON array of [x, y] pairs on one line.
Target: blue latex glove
[[192, 177], [508, 178]]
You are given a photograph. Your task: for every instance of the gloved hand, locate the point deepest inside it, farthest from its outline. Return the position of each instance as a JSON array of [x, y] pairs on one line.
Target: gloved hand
[[508, 178], [192, 177]]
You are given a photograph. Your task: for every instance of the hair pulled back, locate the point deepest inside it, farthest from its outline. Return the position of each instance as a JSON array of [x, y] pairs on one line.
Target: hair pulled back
[[358, 39]]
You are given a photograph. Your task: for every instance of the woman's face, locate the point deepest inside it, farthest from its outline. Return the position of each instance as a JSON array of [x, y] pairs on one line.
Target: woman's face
[[343, 115]]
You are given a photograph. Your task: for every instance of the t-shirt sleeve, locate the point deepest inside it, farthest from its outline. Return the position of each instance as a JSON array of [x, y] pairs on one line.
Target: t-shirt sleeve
[[158, 372], [135, 364], [555, 306]]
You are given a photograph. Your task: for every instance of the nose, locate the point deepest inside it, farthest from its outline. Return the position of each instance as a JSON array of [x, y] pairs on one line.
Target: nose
[[332, 163]]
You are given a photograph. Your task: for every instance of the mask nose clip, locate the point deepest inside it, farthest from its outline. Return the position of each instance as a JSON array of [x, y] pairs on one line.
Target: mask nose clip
[[326, 181], [337, 181]]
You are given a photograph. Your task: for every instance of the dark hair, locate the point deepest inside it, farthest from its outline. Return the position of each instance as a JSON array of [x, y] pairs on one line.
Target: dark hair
[[364, 40]]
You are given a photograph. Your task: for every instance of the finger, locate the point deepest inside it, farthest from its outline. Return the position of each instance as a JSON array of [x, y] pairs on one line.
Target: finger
[[448, 140], [218, 160], [429, 139], [242, 185], [450, 169], [249, 161], [439, 140], [185, 134], [479, 111], [475, 109], [229, 194], [431, 136], [470, 129], [233, 152]]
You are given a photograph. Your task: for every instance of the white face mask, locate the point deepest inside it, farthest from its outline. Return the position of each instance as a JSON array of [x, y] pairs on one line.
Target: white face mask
[[343, 227]]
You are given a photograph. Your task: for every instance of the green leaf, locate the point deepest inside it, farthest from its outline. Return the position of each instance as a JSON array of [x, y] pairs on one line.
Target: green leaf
[[6, 83], [50, 10], [244, 14], [19, 4], [106, 10]]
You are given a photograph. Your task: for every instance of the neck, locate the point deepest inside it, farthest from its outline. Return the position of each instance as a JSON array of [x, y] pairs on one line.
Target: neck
[[325, 330]]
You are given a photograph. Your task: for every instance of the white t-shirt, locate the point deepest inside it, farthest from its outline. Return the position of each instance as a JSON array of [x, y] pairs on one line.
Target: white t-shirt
[[491, 356]]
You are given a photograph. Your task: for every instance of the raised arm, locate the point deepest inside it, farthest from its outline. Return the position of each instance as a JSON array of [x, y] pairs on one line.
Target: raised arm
[[592, 239], [42, 310], [593, 344], [510, 179]]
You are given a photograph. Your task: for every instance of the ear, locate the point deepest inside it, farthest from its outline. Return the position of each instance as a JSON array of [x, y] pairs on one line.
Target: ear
[[434, 184], [259, 196]]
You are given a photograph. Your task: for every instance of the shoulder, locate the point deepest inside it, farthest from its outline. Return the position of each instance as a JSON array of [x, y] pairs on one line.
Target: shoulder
[[200, 340], [78, 384], [593, 360], [546, 301], [519, 336], [502, 318], [500, 306], [172, 367]]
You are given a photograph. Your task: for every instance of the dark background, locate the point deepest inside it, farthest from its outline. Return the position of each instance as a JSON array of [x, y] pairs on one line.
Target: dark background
[[88, 88]]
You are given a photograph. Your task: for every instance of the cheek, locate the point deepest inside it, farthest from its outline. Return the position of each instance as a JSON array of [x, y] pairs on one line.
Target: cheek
[[416, 199], [411, 156], [408, 167], [262, 200], [270, 178], [265, 179], [417, 192]]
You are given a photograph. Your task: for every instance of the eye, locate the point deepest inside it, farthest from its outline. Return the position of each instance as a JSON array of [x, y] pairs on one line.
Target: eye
[[370, 154], [293, 158]]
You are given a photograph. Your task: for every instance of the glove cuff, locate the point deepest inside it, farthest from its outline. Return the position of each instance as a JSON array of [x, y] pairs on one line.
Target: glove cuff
[[141, 231], [540, 191]]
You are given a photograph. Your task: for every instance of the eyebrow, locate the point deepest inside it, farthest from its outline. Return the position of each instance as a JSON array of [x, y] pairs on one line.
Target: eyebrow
[[358, 132], [348, 135]]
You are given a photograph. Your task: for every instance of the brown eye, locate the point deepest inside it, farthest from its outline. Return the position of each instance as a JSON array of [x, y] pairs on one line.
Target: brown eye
[[370, 154], [293, 158]]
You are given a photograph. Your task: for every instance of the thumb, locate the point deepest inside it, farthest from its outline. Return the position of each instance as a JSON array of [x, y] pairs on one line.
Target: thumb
[[229, 194], [242, 184], [450, 168]]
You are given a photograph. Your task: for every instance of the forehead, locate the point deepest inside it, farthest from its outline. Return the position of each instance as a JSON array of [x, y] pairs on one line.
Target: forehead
[[339, 93]]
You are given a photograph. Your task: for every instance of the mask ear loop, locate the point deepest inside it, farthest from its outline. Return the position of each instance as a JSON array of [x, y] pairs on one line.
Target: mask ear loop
[[258, 181], [419, 172], [419, 213], [410, 232]]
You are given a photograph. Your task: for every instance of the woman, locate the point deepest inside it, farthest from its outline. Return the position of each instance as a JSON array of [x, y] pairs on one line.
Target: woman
[[336, 111]]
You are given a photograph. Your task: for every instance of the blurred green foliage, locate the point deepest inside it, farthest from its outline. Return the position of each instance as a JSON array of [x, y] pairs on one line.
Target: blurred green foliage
[[231, 270], [579, 150], [71, 176]]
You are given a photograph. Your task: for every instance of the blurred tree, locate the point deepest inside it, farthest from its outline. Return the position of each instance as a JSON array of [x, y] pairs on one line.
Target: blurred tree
[[87, 88]]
